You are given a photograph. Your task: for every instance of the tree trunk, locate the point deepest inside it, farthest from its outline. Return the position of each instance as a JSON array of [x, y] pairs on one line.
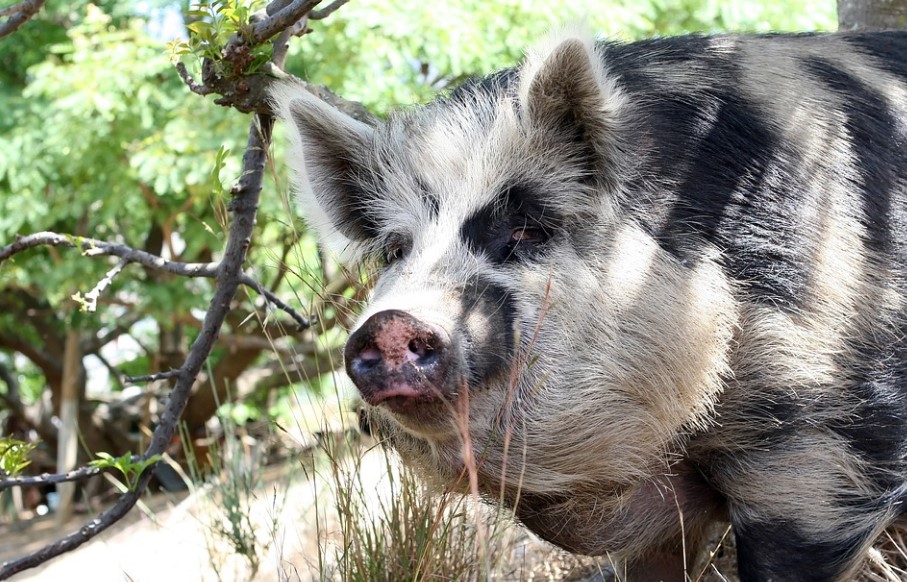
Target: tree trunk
[[68, 441], [872, 15]]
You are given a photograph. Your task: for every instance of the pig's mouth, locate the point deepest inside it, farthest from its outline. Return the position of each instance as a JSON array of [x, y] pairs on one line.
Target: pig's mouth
[[395, 396], [404, 400]]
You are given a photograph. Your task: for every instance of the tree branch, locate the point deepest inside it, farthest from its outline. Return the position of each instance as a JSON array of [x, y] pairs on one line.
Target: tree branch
[[52, 478], [94, 344], [30, 415], [282, 19], [248, 93], [194, 86], [18, 15], [301, 322], [229, 275], [327, 10], [90, 300], [111, 369], [50, 365], [153, 377], [94, 247], [12, 389], [302, 367]]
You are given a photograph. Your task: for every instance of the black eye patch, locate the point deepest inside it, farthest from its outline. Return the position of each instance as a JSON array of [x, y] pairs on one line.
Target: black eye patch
[[515, 227]]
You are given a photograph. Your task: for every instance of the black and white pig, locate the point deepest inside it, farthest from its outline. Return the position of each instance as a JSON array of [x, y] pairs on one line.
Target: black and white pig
[[639, 288]]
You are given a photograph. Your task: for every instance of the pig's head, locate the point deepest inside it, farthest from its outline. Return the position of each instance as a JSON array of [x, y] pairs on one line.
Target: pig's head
[[521, 305]]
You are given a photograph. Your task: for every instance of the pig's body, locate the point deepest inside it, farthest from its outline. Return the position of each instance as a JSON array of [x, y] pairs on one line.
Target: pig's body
[[630, 283]]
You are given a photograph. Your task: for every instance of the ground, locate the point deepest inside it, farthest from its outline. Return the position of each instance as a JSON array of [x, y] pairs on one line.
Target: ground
[[173, 542]]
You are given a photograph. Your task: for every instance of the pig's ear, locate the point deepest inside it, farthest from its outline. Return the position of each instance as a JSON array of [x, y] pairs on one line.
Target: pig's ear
[[566, 93], [328, 158]]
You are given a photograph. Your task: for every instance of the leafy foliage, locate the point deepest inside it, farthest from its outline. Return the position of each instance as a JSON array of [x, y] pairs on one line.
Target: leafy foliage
[[212, 25], [130, 467], [388, 53], [14, 456]]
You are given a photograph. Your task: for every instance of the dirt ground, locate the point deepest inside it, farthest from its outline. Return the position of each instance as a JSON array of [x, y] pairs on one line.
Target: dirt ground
[[172, 541], [169, 541]]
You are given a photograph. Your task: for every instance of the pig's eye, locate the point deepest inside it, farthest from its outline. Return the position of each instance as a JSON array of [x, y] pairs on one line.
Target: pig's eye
[[395, 250], [393, 254], [527, 235]]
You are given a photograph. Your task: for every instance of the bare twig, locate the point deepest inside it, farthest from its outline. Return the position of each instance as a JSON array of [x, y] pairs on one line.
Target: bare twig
[[18, 15], [51, 478], [229, 275], [282, 19], [327, 10], [124, 324], [93, 247], [301, 322], [90, 299], [12, 388], [282, 42], [190, 82], [111, 369], [153, 377]]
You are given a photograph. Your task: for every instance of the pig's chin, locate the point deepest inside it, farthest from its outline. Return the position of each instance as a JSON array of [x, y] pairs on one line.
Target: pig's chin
[[423, 414]]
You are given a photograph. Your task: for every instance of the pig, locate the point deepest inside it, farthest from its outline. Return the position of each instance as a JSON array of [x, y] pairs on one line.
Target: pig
[[633, 290]]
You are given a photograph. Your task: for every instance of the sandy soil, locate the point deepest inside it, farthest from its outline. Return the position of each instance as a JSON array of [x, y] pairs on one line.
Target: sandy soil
[[172, 540]]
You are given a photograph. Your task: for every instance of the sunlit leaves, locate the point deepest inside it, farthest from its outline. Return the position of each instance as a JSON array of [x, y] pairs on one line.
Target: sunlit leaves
[[14, 456], [392, 52], [211, 26], [129, 467]]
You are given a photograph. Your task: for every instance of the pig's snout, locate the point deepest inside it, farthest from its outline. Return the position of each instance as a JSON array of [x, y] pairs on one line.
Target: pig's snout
[[397, 360]]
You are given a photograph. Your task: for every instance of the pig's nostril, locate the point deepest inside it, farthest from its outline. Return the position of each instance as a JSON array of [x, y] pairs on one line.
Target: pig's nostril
[[423, 351], [370, 355], [367, 360]]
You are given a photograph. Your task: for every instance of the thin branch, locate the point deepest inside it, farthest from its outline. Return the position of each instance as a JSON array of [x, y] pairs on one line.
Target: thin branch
[[30, 415], [94, 344], [193, 85], [49, 364], [111, 369], [51, 478], [327, 10], [90, 299], [229, 275], [18, 15], [94, 247], [153, 377], [282, 19], [88, 531], [301, 322], [279, 373], [282, 268], [282, 42], [12, 389]]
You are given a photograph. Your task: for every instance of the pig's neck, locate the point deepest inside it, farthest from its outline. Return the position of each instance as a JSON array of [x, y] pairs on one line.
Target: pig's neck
[[629, 522]]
